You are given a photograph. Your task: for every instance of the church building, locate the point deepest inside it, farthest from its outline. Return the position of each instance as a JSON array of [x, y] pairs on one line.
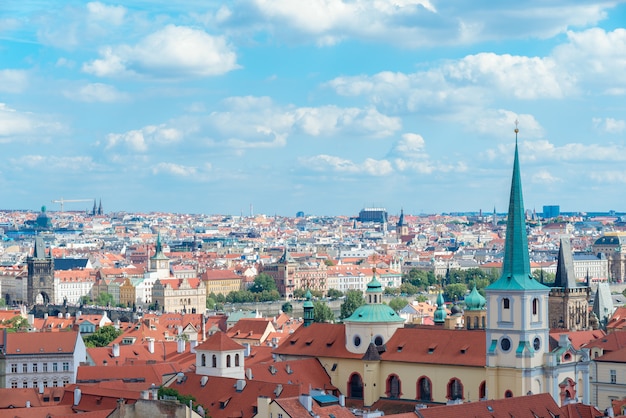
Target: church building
[[502, 351]]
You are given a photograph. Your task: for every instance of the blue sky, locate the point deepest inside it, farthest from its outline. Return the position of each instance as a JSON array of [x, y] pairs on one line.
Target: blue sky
[[323, 106]]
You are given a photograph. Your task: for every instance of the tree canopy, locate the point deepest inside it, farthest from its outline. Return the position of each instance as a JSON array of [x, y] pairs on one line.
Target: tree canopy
[[322, 312], [102, 337], [398, 303], [263, 282], [354, 299]]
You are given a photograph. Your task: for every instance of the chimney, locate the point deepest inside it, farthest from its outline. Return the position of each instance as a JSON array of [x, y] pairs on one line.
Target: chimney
[[240, 385], [306, 401], [77, 394], [249, 374], [116, 350], [342, 400], [192, 346], [45, 316], [180, 346], [31, 319], [151, 345], [246, 349]]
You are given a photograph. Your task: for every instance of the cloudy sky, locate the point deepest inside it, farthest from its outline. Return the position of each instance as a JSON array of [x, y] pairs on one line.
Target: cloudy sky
[[323, 106]]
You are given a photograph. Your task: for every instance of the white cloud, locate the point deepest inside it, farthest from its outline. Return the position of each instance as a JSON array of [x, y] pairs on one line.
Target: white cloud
[[13, 81], [139, 139], [174, 169], [609, 125], [608, 176], [545, 151], [324, 162], [596, 59], [519, 76], [52, 163], [544, 177], [97, 92], [172, 52], [104, 13], [15, 124]]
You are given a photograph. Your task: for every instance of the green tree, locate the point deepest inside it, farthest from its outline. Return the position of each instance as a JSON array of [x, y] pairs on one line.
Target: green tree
[[455, 291], [409, 289], [354, 299], [547, 277], [398, 303], [210, 303], [287, 307], [334, 293], [17, 323], [392, 291], [102, 337], [322, 312], [329, 263], [263, 281], [299, 293], [183, 399], [104, 299], [422, 298]]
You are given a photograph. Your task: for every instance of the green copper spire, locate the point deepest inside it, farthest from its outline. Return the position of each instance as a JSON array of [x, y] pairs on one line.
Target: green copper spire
[[440, 313], [516, 266]]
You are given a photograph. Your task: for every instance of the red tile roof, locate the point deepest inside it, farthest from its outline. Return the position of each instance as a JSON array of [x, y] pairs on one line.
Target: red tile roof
[[305, 371], [294, 408], [541, 405], [40, 342], [219, 342], [222, 400], [434, 345], [317, 340]]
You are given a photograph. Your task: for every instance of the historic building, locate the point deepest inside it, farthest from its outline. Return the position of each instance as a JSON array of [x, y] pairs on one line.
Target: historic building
[[568, 301], [613, 246], [40, 359], [503, 351], [40, 288], [290, 275], [179, 295]]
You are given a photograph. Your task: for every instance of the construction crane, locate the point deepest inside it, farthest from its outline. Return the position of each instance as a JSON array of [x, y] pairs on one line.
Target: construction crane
[[62, 201]]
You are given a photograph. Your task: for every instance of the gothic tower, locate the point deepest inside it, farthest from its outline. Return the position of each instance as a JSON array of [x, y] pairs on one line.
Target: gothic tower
[[517, 311], [569, 308], [40, 275], [401, 228]]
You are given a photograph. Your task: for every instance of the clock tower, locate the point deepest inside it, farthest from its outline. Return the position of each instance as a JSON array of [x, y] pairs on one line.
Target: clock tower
[[159, 263]]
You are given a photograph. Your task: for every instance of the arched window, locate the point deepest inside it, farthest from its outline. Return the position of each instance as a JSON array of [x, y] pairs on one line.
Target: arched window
[[393, 386], [482, 390], [228, 360], [506, 303], [508, 394], [355, 386], [424, 389], [214, 361], [455, 389], [535, 306], [475, 322], [236, 360], [203, 360]]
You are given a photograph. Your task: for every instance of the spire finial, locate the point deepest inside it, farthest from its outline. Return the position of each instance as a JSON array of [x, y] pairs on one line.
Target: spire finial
[[516, 129]]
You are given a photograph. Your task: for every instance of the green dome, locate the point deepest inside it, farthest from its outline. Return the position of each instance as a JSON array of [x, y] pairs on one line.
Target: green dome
[[475, 301], [374, 313], [374, 286], [440, 313], [308, 303]]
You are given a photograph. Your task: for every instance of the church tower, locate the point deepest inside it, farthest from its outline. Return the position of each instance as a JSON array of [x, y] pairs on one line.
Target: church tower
[[40, 275], [569, 308], [517, 311], [401, 227], [159, 262]]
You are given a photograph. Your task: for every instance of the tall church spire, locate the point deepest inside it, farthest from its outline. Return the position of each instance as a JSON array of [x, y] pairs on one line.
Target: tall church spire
[[516, 266]]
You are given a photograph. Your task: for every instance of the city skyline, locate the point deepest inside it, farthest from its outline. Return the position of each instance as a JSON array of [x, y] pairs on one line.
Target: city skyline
[[326, 108]]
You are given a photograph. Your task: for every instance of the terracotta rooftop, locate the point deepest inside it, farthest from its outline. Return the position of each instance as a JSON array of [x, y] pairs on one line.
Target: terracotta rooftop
[[219, 342]]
